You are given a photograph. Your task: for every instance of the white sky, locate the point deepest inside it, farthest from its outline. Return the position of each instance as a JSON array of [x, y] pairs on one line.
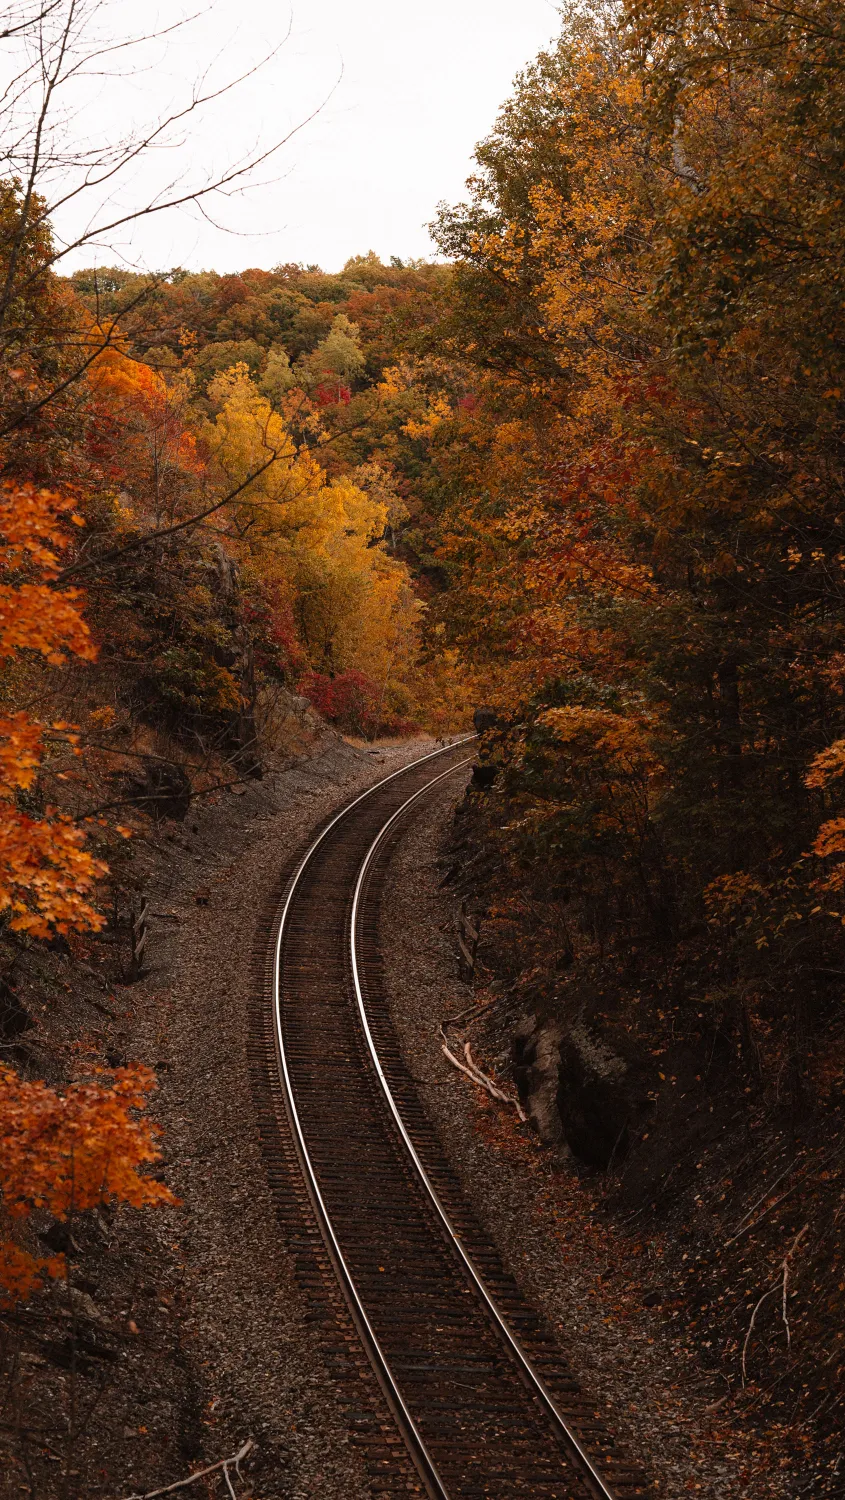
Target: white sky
[[413, 85]]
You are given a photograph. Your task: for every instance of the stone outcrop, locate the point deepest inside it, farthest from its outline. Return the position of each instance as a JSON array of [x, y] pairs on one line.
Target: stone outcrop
[[576, 1089], [536, 1066]]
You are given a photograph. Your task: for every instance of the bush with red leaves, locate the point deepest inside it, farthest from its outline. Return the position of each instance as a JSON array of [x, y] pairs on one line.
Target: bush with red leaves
[[334, 394], [268, 612], [353, 702]]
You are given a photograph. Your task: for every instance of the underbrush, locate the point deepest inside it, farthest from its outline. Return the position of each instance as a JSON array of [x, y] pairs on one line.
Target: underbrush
[[701, 1102], [356, 705]]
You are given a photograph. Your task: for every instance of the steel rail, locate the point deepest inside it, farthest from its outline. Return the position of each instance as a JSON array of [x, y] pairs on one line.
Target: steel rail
[[413, 1438], [416, 1445], [565, 1432]]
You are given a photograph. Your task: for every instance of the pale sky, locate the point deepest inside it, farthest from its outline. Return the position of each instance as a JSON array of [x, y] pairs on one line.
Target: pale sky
[[409, 87]]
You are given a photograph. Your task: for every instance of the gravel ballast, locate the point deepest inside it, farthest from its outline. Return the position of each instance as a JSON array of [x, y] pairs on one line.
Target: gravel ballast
[[253, 1354]]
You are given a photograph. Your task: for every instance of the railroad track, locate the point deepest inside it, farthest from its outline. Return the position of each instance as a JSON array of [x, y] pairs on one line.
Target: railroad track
[[452, 1384]]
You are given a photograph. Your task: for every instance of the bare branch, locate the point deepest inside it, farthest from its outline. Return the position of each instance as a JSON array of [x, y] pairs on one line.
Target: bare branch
[[35, 407], [781, 1281], [235, 1461], [198, 101], [30, 21], [97, 564], [54, 58]]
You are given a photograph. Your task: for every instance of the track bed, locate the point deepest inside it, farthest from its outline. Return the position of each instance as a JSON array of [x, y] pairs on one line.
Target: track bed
[[452, 1383]]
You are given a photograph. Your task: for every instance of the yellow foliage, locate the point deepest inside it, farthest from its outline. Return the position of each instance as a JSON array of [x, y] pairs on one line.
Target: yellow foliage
[[439, 410], [447, 691], [827, 766], [353, 604], [617, 738]]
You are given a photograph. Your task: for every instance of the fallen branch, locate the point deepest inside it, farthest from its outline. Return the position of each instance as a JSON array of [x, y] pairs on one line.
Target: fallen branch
[[489, 1084], [765, 1296], [781, 1281], [223, 1463], [456, 1062], [787, 1258], [743, 1224], [475, 1074]]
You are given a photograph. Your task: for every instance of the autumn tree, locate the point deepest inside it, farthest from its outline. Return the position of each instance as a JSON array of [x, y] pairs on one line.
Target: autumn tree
[[46, 874], [63, 1153], [318, 540], [67, 1152], [335, 363], [139, 426], [70, 1151]]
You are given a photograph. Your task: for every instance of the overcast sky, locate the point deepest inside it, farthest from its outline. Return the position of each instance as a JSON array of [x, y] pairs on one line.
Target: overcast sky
[[407, 87]]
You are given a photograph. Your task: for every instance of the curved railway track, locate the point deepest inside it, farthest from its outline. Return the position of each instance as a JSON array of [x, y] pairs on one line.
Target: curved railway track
[[452, 1383]]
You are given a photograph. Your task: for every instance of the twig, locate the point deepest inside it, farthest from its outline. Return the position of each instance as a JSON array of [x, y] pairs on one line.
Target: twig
[[769, 1293], [222, 1463], [795, 1243], [475, 1074], [137, 801], [228, 1481], [813, 1166], [488, 1082], [740, 1229], [783, 1279]]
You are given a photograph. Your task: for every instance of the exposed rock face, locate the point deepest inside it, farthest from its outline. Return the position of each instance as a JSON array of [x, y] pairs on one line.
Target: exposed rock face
[[594, 1097], [536, 1068], [576, 1089]]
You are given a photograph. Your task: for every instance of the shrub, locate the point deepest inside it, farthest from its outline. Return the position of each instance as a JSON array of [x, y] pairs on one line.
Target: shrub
[[354, 703]]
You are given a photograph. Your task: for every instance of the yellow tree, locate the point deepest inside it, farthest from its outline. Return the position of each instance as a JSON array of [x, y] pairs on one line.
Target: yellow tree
[[353, 604]]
